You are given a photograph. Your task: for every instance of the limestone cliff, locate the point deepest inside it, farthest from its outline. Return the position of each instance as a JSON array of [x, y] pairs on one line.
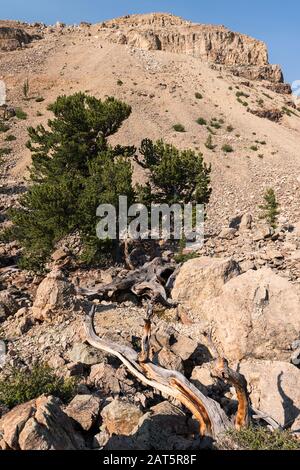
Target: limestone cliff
[[215, 44]]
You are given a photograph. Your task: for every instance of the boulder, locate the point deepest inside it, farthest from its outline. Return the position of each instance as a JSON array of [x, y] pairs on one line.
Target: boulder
[[164, 427], [227, 233], [201, 377], [85, 354], [246, 222], [13, 38], [84, 409], [169, 360], [262, 232], [203, 278], [8, 305], [256, 315], [111, 381], [55, 293], [245, 312], [120, 417], [274, 389], [39, 424], [184, 347]]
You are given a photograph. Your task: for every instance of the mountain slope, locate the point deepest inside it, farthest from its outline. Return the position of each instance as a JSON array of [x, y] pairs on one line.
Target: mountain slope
[[160, 86]]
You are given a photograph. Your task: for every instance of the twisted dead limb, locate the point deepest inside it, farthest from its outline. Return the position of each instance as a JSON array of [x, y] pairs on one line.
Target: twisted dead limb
[[212, 419], [151, 281], [223, 372], [245, 413]]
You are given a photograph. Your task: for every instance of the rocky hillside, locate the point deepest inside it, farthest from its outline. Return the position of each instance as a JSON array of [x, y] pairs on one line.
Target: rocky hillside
[[238, 299]]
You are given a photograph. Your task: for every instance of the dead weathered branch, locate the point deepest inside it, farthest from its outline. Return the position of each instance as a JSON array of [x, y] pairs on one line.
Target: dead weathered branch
[[148, 282], [212, 419], [224, 372]]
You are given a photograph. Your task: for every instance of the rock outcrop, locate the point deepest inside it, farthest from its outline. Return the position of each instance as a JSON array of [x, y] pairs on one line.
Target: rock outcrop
[[274, 389], [255, 314], [13, 38], [39, 425], [213, 44]]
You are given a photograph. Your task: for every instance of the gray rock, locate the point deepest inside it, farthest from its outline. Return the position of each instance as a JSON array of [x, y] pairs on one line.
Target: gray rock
[[85, 410], [85, 354]]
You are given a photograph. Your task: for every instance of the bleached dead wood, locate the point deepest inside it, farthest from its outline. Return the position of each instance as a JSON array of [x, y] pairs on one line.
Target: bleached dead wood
[[152, 281], [212, 419], [225, 373]]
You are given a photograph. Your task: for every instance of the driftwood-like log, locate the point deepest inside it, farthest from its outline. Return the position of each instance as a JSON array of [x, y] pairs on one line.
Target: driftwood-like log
[[151, 281], [212, 419]]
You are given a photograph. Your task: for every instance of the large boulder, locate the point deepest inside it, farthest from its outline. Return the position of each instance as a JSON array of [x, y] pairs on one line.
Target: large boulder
[[39, 424], [255, 314], [274, 389], [55, 293], [164, 427], [203, 278]]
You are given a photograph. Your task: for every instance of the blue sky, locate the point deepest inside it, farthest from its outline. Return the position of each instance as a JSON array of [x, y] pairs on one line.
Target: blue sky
[[274, 21]]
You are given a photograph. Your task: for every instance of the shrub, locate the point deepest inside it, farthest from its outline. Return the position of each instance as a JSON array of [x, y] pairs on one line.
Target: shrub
[[10, 138], [119, 83], [262, 439], [39, 99], [179, 128], [209, 143], [5, 151], [210, 130], [21, 387], [229, 128], [254, 148], [198, 96], [215, 124], [20, 114], [201, 121], [227, 148], [4, 127], [176, 176], [270, 208], [267, 96], [241, 93]]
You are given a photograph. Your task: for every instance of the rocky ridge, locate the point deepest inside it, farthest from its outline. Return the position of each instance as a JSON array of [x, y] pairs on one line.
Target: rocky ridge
[[244, 55]]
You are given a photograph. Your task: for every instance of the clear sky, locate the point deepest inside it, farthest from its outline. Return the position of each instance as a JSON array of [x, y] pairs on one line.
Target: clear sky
[[276, 22]]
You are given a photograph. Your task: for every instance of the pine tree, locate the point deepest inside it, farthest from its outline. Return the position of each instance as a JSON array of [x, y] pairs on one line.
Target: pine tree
[[270, 208], [74, 169], [175, 176]]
